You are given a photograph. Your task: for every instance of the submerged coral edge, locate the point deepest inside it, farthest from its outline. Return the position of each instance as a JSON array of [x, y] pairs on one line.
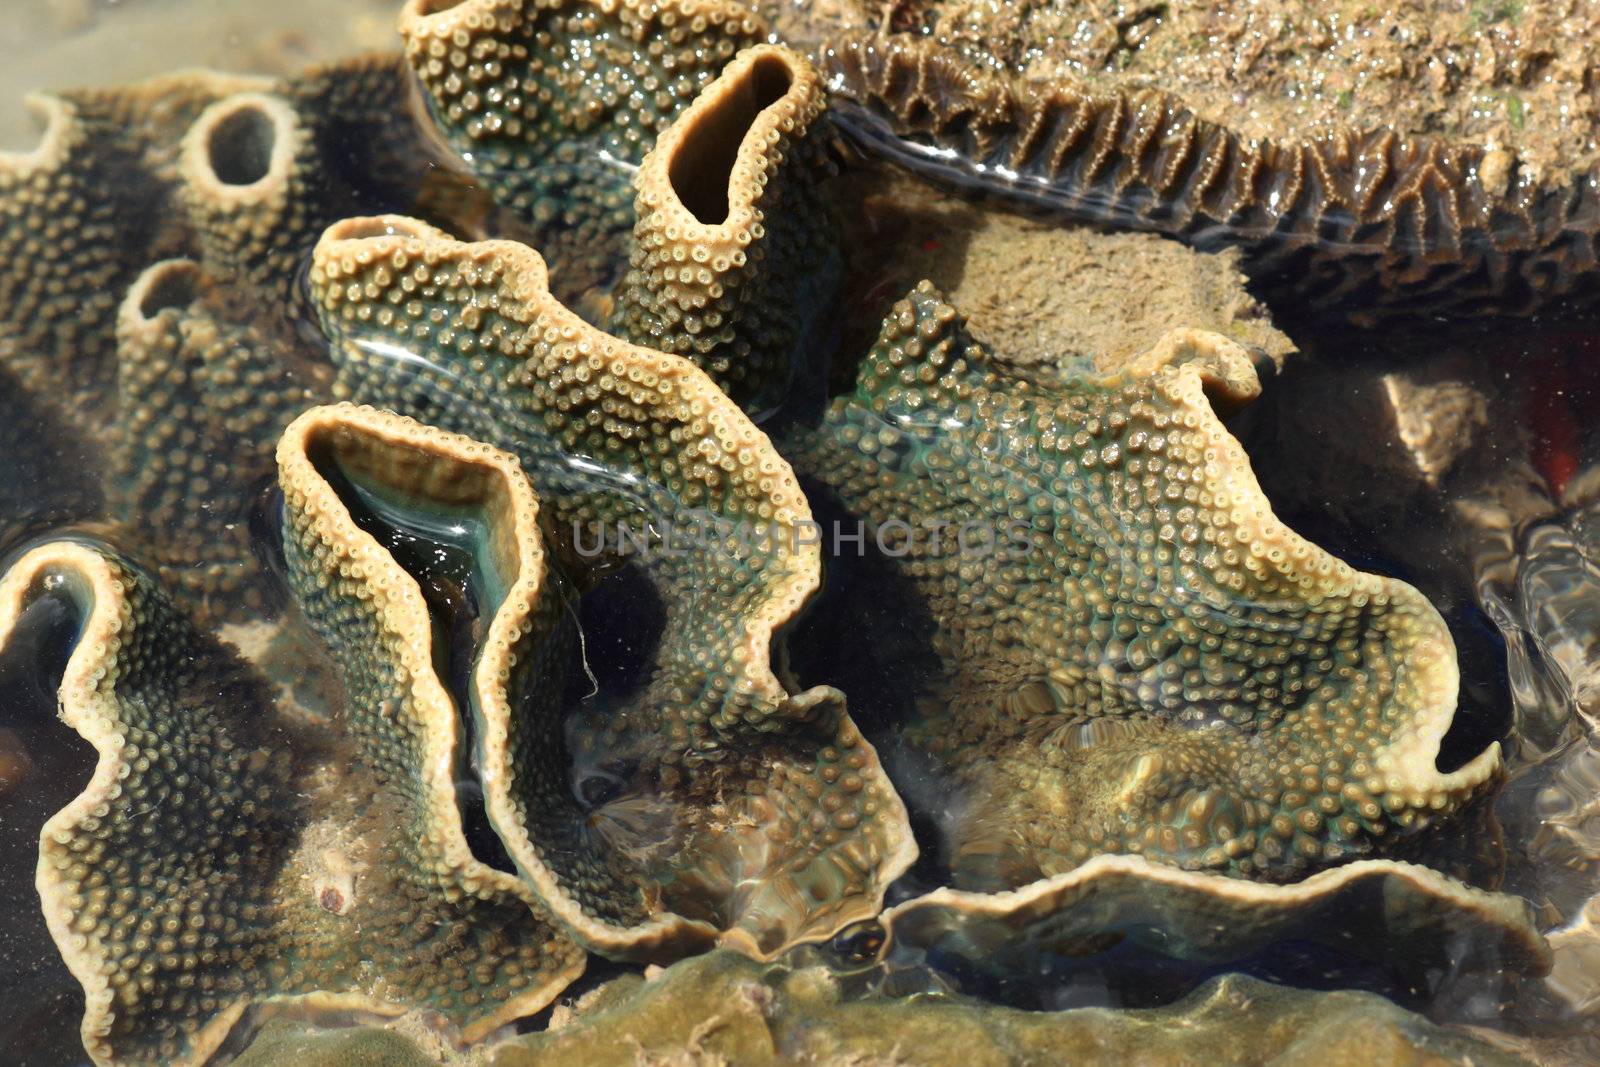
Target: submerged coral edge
[[55, 111], [1512, 917], [55, 117]]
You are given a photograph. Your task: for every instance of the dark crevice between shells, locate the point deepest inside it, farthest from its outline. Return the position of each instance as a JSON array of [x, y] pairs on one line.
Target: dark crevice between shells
[[50, 476], [443, 559], [883, 676], [44, 764], [621, 621]]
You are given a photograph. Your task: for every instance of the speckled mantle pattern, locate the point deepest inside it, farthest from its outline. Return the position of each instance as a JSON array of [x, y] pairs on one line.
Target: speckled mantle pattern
[[732, 806]]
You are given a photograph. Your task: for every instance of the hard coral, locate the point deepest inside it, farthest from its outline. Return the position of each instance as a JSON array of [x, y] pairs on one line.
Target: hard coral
[[203, 397], [552, 106], [1428, 925], [1362, 220]]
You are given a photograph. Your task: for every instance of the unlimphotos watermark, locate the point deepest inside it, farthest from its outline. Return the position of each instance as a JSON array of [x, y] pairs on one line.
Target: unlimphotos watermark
[[704, 533]]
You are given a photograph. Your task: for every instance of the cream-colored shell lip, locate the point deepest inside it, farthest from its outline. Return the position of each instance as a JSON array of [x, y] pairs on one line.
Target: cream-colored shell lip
[[1022, 918], [197, 163], [440, 18], [400, 240], [785, 115], [162, 288], [54, 117], [371, 227]]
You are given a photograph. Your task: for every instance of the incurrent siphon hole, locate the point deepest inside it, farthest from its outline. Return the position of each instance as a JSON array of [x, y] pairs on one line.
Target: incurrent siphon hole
[[171, 285], [241, 146], [703, 164]]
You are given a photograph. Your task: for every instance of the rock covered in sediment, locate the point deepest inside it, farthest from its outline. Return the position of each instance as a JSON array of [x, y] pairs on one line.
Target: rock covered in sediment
[[1036, 292], [1394, 214], [1506, 74], [722, 1009]]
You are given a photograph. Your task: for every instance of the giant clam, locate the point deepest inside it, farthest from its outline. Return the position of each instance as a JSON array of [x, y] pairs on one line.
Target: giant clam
[[434, 452]]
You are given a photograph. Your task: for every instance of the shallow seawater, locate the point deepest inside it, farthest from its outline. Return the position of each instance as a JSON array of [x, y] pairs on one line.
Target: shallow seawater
[[1461, 457]]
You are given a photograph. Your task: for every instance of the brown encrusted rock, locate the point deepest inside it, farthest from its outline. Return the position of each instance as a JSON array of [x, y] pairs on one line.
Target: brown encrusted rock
[[1492, 73], [283, 1042], [1034, 292], [1365, 218]]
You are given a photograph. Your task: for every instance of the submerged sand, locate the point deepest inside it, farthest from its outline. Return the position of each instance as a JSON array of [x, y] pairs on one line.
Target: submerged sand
[[66, 44]]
